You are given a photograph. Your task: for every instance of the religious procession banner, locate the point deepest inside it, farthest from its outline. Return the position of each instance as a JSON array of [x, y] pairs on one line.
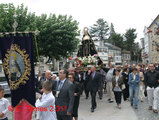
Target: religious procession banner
[[17, 57]]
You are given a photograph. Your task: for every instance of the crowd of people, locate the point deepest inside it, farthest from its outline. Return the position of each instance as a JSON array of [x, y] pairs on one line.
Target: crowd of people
[[60, 95], [132, 83]]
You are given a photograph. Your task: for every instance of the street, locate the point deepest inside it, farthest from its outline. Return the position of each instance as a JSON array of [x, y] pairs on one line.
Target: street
[[108, 111]]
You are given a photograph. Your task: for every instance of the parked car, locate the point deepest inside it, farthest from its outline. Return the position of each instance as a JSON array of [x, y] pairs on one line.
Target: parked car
[[4, 84], [55, 72]]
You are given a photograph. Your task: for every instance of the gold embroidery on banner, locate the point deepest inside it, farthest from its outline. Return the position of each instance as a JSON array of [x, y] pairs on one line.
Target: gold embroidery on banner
[[27, 66]]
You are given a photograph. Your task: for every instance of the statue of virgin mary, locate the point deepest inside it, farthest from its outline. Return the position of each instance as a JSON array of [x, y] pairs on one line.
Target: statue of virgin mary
[[87, 47]]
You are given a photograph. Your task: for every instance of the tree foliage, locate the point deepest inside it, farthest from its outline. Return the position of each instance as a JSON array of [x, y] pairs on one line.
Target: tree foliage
[[136, 52], [25, 20], [129, 42], [130, 37], [116, 39], [112, 30], [100, 29], [58, 34]]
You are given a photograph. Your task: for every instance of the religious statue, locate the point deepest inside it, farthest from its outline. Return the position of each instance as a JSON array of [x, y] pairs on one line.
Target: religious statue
[[14, 68], [87, 48]]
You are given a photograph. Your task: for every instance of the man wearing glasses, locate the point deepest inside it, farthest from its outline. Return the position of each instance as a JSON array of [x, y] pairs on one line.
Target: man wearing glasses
[[64, 97]]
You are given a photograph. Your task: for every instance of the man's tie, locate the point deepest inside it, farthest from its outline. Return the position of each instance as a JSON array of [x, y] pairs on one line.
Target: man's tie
[[60, 86], [93, 74]]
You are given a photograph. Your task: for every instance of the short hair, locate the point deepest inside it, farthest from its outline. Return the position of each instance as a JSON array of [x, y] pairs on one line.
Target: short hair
[[135, 69], [125, 69], [47, 85], [65, 72], [117, 70], [73, 75]]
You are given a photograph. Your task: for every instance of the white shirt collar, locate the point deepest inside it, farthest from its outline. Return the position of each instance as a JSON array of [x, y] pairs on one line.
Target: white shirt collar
[[63, 81]]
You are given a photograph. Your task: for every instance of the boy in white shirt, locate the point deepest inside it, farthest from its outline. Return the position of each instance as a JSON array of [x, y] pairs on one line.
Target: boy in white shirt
[[4, 104], [45, 105]]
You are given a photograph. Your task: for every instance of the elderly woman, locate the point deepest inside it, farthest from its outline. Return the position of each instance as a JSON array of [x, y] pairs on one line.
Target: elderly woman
[[134, 80], [77, 93], [117, 82]]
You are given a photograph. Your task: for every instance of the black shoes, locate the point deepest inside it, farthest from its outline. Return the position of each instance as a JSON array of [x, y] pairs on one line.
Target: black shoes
[[111, 101], [131, 104], [86, 97], [92, 110]]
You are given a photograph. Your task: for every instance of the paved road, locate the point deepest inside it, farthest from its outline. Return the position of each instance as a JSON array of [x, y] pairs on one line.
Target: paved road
[[105, 111], [144, 114], [108, 111]]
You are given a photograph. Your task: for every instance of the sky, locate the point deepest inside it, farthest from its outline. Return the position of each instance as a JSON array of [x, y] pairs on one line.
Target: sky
[[124, 14]]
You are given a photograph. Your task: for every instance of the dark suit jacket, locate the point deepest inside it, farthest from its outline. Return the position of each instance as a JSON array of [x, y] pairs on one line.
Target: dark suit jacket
[[54, 85], [125, 79], [93, 84], [65, 98]]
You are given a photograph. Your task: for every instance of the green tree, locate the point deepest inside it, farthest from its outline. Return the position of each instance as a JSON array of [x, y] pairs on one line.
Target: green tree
[[58, 34], [100, 29], [25, 20], [129, 42], [58, 37], [136, 54], [6, 17], [116, 39], [112, 30]]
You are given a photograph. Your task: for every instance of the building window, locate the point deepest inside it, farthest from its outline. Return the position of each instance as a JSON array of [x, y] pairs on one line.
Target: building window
[[152, 48], [128, 56], [99, 50]]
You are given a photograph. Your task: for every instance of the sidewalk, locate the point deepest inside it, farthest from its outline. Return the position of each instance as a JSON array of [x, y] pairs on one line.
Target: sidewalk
[[105, 110]]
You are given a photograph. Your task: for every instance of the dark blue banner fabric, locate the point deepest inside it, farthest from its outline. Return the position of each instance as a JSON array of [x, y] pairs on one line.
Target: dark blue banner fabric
[[17, 57]]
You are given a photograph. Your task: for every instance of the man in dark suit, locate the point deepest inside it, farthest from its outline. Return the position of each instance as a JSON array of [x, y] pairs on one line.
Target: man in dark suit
[[64, 97], [48, 77], [93, 85]]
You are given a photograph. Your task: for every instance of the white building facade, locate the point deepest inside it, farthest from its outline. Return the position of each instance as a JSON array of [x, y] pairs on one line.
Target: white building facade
[[145, 47], [108, 52]]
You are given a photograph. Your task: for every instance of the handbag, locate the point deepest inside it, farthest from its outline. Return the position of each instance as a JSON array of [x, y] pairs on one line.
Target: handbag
[[123, 86]]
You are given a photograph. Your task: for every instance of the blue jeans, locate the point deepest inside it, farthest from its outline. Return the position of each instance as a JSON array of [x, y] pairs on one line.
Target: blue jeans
[[134, 89]]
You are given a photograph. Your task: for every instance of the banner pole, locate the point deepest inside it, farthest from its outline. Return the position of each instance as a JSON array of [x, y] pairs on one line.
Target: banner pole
[[36, 45]]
